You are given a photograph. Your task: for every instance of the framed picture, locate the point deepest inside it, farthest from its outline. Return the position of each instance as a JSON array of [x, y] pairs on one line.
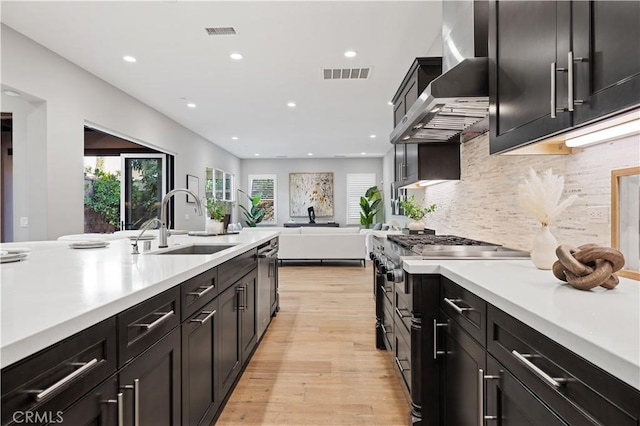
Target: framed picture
[[311, 190], [192, 185]]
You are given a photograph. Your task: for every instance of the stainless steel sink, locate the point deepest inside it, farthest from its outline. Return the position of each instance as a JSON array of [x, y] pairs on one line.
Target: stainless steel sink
[[197, 249]]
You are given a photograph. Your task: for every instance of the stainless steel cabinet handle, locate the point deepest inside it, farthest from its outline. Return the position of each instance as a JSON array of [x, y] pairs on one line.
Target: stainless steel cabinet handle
[[384, 329], [553, 90], [241, 306], [270, 253], [62, 383], [551, 381], [207, 289], [570, 95], [399, 363], [401, 315], [489, 377], [120, 407], [205, 319], [436, 352], [246, 296], [480, 397], [458, 309], [136, 402], [164, 317]]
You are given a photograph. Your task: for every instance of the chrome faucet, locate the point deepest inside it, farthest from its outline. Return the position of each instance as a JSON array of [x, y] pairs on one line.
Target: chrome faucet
[[162, 234], [144, 227]]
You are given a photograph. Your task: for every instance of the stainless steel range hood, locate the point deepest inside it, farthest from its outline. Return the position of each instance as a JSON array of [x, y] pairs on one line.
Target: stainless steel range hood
[[457, 102]]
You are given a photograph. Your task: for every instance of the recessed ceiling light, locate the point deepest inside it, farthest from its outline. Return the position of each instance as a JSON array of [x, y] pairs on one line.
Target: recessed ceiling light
[[390, 103], [372, 136], [256, 154], [350, 53], [291, 104], [363, 153], [10, 92], [129, 58], [236, 56], [191, 105], [310, 154], [235, 138]]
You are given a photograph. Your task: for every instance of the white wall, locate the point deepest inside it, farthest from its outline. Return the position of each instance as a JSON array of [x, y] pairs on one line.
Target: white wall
[[483, 203], [73, 96], [282, 167]]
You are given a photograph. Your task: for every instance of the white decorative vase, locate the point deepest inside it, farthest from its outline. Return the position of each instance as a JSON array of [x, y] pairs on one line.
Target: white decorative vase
[[543, 251], [416, 225], [214, 226]]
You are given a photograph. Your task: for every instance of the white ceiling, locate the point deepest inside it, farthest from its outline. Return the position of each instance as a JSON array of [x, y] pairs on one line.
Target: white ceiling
[[285, 46]]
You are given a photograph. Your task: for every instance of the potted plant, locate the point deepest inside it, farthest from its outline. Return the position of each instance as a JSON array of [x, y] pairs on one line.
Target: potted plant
[[254, 215], [369, 204], [415, 212], [216, 210]]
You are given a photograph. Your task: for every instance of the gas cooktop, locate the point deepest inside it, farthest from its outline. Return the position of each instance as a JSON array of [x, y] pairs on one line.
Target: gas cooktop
[[450, 246], [409, 241]]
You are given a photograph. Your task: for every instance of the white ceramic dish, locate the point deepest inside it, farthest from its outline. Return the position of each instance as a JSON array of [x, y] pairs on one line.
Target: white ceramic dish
[[88, 244], [15, 257], [15, 250]]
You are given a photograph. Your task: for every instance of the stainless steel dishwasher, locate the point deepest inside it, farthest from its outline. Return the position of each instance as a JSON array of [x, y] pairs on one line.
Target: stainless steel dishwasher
[[267, 283]]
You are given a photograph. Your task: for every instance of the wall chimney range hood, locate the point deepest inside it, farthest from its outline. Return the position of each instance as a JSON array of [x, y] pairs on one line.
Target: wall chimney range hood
[[457, 102]]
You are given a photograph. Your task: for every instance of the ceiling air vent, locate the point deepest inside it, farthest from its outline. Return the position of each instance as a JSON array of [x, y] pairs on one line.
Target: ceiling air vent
[[216, 31], [346, 73]]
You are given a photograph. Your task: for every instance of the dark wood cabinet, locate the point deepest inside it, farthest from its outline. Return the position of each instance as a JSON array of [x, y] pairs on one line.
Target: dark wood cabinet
[[462, 376], [420, 74], [55, 378], [510, 403], [151, 384], [201, 396], [230, 359], [248, 317], [606, 54], [428, 161], [528, 44], [97, 408], [556, 65]]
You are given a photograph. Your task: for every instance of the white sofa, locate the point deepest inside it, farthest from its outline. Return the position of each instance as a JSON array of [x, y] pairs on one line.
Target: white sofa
[[320, 243]]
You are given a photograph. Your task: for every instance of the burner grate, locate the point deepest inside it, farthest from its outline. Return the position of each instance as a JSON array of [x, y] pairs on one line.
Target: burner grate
[[408, 241]]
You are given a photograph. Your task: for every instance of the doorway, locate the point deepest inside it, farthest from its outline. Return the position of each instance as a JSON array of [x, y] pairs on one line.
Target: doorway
[[6, 172], [124, 182]]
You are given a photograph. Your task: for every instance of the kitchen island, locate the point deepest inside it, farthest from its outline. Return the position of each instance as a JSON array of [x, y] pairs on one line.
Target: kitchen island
[[104, 321]]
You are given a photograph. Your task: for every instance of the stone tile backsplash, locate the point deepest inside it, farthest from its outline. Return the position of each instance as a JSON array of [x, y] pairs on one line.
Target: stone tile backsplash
[[483, 204]]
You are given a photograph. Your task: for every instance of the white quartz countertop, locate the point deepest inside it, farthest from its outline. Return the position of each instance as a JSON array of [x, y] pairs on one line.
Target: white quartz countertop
[[602, 326], [58, 291]]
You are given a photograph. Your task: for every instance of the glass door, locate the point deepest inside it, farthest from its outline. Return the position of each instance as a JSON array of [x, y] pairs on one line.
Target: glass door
[[143, 185]]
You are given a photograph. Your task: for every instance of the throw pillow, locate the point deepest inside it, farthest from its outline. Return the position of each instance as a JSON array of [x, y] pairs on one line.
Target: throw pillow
[[377, 226], [385, 227]]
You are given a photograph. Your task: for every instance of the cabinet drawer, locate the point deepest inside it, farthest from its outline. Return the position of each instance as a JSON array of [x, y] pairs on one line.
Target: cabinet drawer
[[144, 324], [565, 381], [466, 309], [403, 307], [198, 291], [402, 356], [234, 269], [57, 376]]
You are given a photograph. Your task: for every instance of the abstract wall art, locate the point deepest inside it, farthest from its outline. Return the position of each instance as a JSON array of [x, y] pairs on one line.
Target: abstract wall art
[[310, 190]]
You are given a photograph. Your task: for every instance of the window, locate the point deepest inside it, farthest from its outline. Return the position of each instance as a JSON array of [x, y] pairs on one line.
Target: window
[[357, 185], [222, 185], [265, 185]]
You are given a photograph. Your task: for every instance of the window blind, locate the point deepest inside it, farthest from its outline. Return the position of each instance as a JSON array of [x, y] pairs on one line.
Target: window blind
[[357, 185]]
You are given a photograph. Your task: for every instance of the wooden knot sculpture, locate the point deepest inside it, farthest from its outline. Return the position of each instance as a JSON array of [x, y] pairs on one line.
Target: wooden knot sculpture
[[588, 266]]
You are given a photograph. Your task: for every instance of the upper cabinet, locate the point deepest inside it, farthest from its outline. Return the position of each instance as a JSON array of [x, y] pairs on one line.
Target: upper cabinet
[[421, 73], [557, 65]]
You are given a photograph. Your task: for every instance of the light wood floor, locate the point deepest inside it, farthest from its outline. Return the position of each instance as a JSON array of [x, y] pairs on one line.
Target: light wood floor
[[317, 363]]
